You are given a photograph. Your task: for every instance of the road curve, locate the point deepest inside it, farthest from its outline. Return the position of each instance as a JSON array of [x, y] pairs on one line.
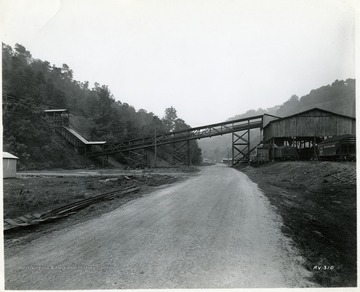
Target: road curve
[[215, 230]]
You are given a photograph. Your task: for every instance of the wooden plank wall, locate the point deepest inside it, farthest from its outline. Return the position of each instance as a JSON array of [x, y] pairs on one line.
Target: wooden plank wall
[[311, 124], [267, 119]]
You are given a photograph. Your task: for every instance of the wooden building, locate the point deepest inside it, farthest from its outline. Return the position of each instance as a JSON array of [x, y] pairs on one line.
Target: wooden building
[[57, 117], [306, 129], [263, 153], [226, 160], [9, 165]]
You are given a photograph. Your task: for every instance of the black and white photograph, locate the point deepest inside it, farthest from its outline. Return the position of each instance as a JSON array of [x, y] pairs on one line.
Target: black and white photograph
[[179, 144]]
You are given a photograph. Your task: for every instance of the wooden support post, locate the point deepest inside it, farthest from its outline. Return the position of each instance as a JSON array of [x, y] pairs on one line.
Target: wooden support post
[[248, 142], [273, 149], [128, 159], [232, 150], [173, 153], [188, 153], [146, 159], [155, 149]]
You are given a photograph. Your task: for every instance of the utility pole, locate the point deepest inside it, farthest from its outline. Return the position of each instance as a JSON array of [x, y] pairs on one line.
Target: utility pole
[[188, 153], [155, 147]]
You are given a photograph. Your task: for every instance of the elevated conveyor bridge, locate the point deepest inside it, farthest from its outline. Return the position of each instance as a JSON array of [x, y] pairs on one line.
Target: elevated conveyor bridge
[[240, 130]]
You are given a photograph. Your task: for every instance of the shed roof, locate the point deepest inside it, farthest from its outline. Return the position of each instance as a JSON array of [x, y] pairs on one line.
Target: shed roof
[[56, 110], [307, 111], [317, 109], [82, 139], [267, 146], [9, 156]]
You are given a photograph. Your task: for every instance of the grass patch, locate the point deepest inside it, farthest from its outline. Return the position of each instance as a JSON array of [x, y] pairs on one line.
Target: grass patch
[[40, 194]]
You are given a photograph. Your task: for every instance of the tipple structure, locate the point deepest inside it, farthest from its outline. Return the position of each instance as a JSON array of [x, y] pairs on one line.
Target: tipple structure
[[240, 130], [291, 137], [304, 131]]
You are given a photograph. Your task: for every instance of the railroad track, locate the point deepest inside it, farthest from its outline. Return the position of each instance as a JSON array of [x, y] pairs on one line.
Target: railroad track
[[66, 210]]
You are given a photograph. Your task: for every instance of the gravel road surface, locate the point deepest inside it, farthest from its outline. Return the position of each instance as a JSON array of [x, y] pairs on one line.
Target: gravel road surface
[[215, 230]]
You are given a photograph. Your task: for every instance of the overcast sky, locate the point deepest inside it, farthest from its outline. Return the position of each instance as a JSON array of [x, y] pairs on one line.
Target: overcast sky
[[210, 59]]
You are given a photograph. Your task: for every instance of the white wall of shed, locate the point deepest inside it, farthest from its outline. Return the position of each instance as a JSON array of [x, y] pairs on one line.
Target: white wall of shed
[[9, 168]]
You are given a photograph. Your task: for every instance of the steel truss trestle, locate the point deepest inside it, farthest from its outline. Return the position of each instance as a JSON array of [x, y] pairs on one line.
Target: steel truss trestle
[[240, 147], [181, 139], [181, 153], [137, 158]]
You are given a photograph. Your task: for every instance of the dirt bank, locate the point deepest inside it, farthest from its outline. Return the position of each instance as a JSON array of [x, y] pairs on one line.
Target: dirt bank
[[317, 201]]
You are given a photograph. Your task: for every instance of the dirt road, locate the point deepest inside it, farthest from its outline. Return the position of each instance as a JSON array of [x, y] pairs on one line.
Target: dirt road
[[215, 230]]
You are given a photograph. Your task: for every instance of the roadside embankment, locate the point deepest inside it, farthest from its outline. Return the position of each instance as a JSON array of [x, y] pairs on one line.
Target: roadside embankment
[[317, 201], [42, 193]]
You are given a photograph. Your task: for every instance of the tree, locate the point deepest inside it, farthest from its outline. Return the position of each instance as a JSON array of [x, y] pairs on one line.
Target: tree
[[169, 119], [66, 72], [35, 84], [23, 54], [289, 107], [179, 124]]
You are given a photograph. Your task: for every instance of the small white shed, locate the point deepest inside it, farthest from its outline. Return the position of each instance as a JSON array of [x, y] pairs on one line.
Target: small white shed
[[9, 165]]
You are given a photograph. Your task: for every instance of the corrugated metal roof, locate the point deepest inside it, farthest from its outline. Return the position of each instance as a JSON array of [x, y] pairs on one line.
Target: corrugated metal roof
[[95, 142], [9, 156], [267, 146], [77, 135], [309, 110], [82, 139], [55, 110], [317, 109]]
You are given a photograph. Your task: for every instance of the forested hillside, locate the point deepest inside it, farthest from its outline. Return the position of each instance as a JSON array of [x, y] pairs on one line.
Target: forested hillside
[[31, 85], [339, 97]]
